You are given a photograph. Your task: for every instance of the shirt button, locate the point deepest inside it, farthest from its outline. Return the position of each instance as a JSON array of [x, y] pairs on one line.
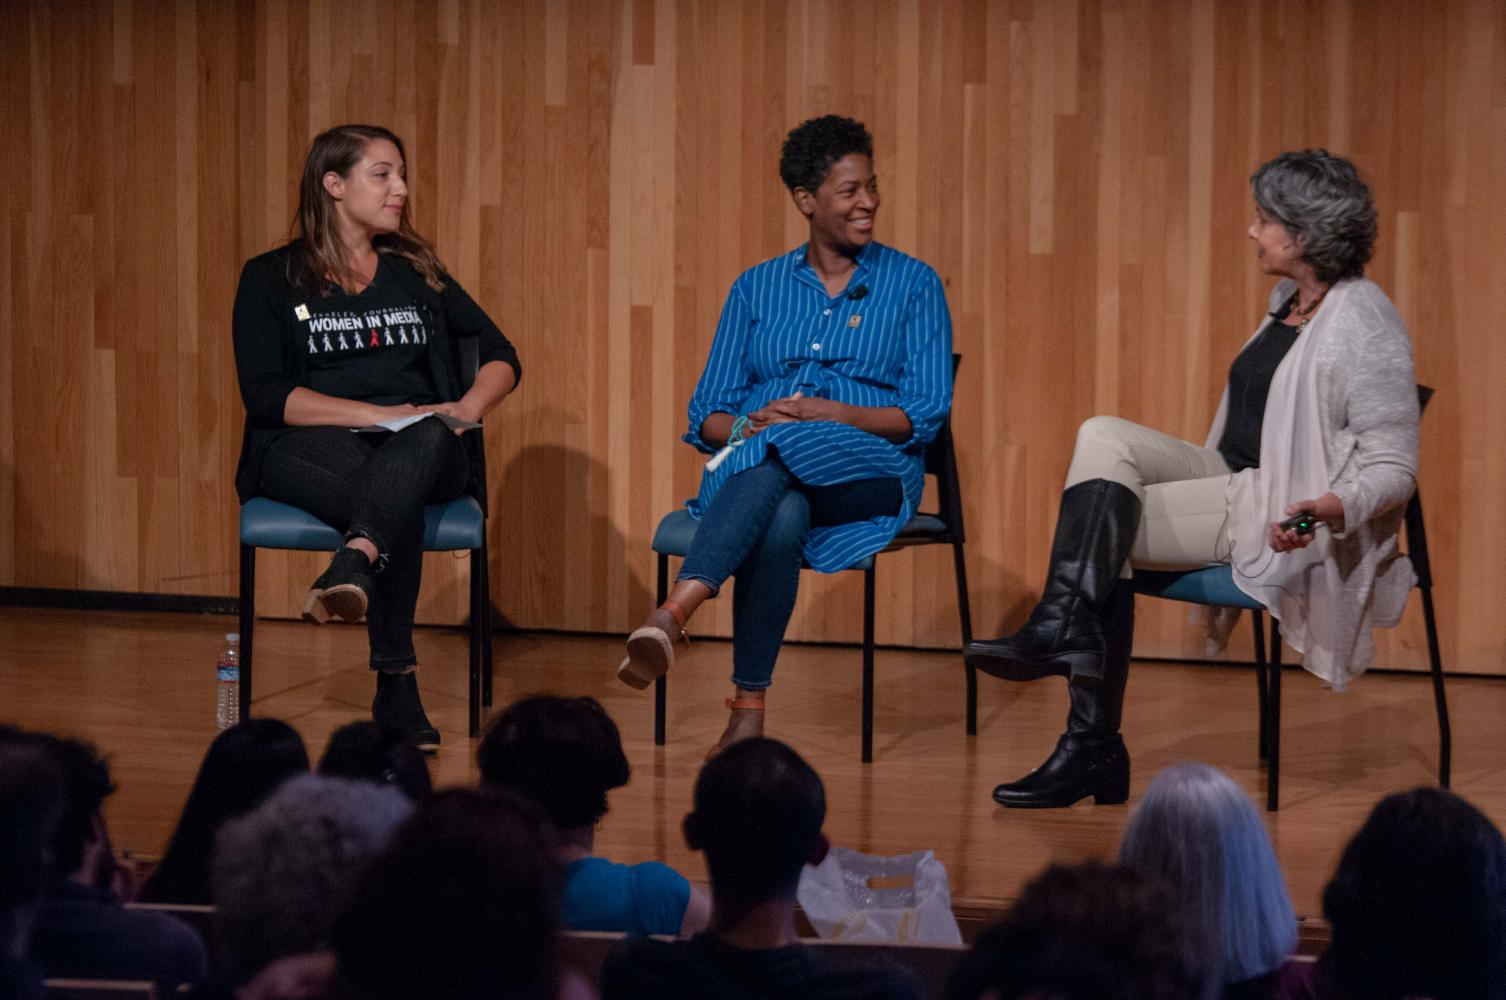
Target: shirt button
[[826, 312], [815, 347]]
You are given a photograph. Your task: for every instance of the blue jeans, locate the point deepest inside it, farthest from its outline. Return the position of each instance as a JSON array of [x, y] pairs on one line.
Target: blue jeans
[[374, 485], [754, 529]]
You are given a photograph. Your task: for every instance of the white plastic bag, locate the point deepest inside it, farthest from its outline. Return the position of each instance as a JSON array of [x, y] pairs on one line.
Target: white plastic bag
[[860, 897]]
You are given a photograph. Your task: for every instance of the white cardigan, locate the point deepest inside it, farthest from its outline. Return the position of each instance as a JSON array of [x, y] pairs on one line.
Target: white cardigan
[[1341, 417]]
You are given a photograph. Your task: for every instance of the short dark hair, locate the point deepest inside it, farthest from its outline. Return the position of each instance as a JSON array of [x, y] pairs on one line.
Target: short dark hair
[[365, 751], [86, 784], [1084, 932], [31, 805], [757, 814], [1418, 903], [563, 753], [813, 146], [1321, 199], [462, 904]]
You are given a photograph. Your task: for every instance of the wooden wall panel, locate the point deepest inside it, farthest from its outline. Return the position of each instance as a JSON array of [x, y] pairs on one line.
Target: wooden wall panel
[[598, 171]]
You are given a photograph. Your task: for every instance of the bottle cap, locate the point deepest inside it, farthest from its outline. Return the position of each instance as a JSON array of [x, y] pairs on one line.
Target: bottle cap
[[232, 637]]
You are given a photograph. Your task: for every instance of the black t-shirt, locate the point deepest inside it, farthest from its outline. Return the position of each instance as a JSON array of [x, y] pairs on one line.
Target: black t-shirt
[[371, 346], [705, 967], [1249, 384]]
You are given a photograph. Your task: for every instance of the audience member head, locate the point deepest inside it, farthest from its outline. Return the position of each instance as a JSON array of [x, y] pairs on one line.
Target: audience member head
[[1198, 832], [1418, 904], [1083, 932], [31, 807], [1325, 207], [563, 753], [80, 848], [282, 871], [364, 751], [462, 904], [243, 766], [757, 813], [814, 145]]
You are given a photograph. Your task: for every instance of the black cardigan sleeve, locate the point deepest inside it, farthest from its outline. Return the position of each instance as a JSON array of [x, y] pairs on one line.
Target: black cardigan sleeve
[[464, 318], [260, 331]]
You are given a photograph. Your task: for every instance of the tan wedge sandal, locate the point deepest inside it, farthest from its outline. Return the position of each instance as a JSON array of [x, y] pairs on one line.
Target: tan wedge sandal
[[651, 648]]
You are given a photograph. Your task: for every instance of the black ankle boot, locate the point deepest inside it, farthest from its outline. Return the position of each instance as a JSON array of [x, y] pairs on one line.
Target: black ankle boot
[[397, 709], [1064, 635], [1090, 758], [342, 591]]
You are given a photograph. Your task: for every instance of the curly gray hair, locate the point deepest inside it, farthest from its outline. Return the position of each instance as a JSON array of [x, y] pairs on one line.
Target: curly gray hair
[[1324, 205], [282, 870]]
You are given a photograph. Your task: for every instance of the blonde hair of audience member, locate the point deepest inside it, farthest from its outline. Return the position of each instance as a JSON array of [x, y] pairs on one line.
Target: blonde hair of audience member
[[1199, 832]]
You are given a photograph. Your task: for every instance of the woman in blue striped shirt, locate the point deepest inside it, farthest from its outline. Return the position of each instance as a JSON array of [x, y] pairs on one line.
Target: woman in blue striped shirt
[[830, 371]]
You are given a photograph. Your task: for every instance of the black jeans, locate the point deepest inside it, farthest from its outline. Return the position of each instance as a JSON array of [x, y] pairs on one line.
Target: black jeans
[[373, 485], [754, 529]]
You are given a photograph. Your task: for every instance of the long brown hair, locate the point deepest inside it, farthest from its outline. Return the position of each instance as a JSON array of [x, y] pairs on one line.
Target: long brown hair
[[318, 257]]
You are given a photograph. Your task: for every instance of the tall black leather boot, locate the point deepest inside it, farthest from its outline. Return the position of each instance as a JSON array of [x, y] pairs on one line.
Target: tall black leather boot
[[1064, 635], [1090, 757]]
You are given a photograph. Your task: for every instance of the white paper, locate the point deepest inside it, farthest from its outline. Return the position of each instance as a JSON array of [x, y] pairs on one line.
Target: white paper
[[398, 423]]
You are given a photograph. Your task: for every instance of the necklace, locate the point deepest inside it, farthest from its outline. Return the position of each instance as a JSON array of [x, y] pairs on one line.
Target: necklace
[[1307, 313]]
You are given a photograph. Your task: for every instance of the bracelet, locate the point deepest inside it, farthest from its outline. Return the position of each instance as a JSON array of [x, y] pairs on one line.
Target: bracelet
[[739, 431]]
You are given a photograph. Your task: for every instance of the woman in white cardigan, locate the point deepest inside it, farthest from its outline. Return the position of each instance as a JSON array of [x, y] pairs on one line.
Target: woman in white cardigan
[[1319, 418]]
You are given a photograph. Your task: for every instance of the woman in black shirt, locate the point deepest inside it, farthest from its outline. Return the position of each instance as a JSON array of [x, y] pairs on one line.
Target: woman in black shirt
[[351, 324]]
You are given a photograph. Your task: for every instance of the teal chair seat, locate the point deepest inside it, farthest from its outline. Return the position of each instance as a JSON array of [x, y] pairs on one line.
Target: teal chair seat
[[267, 524]]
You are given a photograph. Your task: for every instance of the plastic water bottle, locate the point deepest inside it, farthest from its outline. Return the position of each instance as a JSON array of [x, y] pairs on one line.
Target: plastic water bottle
[[227, 683]]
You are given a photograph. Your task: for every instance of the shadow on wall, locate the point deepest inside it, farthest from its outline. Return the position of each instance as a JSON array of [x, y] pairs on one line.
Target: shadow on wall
[[558, 560], [34, 554]]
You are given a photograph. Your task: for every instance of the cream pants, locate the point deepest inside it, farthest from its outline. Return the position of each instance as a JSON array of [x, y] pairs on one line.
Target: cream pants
[[1184, 518]]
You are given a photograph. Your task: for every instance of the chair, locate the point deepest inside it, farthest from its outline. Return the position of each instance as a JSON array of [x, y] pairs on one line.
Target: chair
[[99, 989], [1214, 586], [675, 531], [448, 527]]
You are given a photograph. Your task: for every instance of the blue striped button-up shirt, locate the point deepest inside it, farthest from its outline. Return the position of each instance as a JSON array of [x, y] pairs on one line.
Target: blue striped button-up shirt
[[890, 345]]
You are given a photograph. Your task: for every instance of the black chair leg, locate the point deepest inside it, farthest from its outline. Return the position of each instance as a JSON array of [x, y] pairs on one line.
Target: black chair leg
[[1273, 723], [964, 611], [868, 587], [486, 625], [1440, 703], [1262, 682], [660, 687], [248, 623], [473, 685]]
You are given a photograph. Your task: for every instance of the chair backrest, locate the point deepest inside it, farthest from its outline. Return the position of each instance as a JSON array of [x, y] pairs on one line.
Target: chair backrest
[[1417, 536], [584, 952], [99, 989], [941, 462], [475, 444]]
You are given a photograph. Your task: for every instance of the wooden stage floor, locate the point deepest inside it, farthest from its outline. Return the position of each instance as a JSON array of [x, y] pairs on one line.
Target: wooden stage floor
[[142, 687]]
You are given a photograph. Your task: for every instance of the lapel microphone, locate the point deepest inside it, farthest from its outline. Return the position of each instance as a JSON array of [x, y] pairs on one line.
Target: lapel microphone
[[857, 293]]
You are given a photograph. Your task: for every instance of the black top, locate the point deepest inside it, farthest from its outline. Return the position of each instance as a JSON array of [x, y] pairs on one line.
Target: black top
[[372, 346], [1249, 384], [705, 967], [82, 933], [286, 337]]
